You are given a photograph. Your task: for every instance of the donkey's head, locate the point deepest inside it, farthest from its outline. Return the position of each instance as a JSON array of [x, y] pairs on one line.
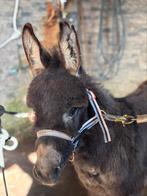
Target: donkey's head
[[58, 98]]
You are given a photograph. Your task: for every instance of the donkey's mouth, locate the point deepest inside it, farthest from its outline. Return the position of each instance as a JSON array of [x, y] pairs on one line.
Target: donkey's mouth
[[45, 180]]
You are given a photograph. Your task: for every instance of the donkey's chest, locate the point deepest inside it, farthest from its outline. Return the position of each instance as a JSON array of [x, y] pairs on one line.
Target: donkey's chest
[[103, 184]]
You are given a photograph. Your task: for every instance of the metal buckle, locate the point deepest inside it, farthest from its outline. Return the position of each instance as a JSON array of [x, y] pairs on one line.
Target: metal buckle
[[125, 119]]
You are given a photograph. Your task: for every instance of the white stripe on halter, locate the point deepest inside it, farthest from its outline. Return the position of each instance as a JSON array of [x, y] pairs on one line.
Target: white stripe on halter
[[53, 133]]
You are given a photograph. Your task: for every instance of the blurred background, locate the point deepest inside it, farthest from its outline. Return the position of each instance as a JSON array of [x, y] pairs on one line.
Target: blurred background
[[113, 38]]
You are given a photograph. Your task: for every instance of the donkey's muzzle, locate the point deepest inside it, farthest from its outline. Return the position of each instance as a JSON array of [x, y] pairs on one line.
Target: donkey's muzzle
[[47, 178], [49, 164]]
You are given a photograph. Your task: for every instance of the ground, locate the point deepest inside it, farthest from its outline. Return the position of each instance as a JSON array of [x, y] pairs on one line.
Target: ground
[[20, 180]]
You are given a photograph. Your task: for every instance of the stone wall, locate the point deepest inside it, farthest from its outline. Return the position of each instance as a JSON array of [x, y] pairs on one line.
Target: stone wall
[[132, 71], [132, 67], [14, 75]]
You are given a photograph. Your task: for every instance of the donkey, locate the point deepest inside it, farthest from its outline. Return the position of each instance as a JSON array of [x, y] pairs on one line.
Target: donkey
[[51, 26], [59, 99]]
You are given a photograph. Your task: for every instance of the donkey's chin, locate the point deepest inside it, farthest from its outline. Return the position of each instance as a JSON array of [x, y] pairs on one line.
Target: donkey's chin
[[44, 180], [48, 184]]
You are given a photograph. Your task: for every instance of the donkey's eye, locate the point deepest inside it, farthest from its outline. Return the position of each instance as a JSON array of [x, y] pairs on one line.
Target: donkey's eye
[[73, 111]]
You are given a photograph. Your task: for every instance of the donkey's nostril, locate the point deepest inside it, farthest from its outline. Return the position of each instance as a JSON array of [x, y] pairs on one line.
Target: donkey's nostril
[[36, 173], [56, 171]]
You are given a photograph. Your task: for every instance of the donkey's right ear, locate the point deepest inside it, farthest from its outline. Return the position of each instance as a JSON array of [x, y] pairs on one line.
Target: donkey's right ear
[[32, 49]]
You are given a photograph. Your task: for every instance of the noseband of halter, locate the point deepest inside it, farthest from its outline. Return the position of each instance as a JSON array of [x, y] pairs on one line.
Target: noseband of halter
[[98, 118]]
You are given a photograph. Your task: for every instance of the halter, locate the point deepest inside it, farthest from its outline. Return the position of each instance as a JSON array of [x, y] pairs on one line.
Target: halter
[[98, 118]]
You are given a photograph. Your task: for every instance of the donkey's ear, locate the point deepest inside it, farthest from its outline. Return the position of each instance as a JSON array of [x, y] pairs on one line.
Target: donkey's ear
[[70, 49], [32, 49]]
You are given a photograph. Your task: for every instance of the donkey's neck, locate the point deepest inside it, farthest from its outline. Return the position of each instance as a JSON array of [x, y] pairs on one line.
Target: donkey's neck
[[107, 102], [93, 149]]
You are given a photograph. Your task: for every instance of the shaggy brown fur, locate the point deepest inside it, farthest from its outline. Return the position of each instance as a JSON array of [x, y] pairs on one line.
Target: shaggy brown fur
[[58, 96]]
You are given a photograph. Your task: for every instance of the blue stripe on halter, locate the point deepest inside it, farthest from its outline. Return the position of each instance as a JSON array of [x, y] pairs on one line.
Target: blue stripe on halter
[[98, 118]]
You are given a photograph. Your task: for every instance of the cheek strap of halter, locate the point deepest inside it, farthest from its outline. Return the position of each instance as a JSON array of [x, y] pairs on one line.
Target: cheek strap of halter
[[98, 118]]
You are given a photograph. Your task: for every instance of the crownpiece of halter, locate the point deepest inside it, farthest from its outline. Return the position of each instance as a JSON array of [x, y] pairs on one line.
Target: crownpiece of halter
[[98, 118]]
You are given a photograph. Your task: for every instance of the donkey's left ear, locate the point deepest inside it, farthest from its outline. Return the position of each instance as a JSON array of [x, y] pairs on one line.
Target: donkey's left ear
[[70, 49]]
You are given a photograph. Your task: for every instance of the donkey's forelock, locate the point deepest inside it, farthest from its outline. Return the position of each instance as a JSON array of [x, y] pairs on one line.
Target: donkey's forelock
[[52, 59], [55, 89]]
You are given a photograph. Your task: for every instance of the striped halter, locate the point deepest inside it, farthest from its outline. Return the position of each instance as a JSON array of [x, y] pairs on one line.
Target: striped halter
[[97, 118]]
